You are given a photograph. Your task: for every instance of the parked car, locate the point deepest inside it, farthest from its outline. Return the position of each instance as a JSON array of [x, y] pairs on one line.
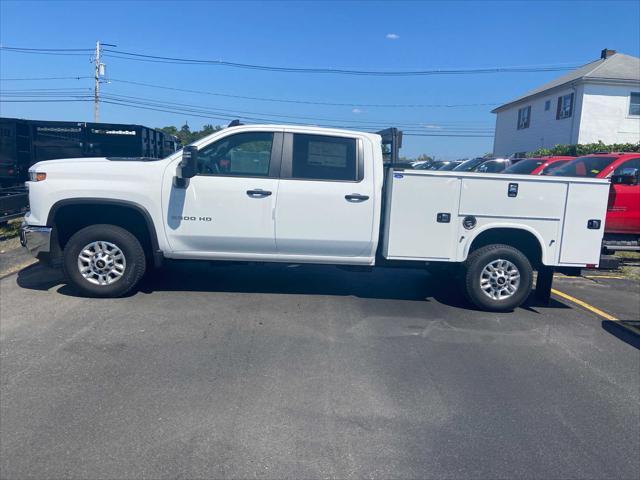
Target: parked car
[[434, 165], [495, 165], [622, 227], [451, 165], [538, 165], [307, 195], [421, 164], [469, 165]]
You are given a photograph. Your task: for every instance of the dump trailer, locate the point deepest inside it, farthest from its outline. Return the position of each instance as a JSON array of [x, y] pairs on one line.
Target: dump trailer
[[26, 142]]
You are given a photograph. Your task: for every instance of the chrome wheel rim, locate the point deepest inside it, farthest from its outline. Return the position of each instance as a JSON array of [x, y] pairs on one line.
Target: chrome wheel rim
[[500, 279], [101, 263]]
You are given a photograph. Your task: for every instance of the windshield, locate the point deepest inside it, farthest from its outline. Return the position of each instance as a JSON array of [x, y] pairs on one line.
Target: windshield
[[583, 167], [469, 165], [552, 167], [449, 166], [524, 166], [492, 166]]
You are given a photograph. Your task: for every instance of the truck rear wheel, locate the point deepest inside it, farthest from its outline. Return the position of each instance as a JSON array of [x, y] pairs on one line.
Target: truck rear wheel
[[498, 278], [103, 261]]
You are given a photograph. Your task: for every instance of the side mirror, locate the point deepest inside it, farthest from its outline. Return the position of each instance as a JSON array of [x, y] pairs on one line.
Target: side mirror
[[189, 164], [625, 179]]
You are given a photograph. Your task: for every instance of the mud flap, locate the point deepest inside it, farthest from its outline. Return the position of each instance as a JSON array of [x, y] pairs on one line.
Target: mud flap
[[544, 282]]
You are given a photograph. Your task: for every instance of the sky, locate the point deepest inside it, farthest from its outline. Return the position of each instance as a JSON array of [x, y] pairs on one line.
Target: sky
[[360, 35]]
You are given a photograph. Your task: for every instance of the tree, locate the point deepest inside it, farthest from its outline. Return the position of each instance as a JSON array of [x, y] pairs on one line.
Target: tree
[[585, 149], [423, 157], [186, 136]]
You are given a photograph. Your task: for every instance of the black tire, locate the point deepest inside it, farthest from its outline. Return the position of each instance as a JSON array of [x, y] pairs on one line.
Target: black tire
[[124, 240], [474, 267]]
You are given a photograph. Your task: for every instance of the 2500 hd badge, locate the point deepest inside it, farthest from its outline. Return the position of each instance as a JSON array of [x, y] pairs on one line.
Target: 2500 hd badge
[[191, 219]]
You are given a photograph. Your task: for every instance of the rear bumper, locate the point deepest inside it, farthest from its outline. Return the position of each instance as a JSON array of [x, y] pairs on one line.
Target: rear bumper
[[35, 239]]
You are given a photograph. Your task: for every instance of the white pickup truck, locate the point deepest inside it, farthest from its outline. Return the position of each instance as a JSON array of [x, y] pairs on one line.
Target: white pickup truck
[[278, 193]]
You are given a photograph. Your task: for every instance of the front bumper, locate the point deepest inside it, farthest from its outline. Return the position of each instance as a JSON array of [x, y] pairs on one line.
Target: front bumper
[[35, 239]]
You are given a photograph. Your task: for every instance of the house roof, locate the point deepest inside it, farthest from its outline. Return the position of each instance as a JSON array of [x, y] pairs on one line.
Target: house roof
[[617, 67]]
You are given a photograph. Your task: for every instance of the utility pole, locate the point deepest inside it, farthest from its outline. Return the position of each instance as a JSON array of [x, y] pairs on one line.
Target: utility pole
[[96, 87], [98, 73]]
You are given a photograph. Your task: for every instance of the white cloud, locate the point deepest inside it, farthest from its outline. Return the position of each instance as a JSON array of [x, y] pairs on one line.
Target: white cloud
[[433, 127], [356, 111], [392, 36]]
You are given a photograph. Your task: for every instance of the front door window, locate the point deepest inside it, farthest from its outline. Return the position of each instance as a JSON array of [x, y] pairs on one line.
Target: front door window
[[244, 154]]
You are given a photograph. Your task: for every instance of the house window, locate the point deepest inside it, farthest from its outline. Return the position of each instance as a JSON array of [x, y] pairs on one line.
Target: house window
[[547, 105], [524, 117], [565, 106], [634, 103]]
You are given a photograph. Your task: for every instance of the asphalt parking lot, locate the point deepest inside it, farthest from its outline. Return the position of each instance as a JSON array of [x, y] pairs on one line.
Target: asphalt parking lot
[[305, 372]]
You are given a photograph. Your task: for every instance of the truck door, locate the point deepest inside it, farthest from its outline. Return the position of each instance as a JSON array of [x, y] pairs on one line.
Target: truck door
[[228, 206], [326, 197], [623, 210]]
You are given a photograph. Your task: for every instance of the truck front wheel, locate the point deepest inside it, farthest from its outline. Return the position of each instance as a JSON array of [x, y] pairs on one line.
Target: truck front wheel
[[498, 278], [103, 261]]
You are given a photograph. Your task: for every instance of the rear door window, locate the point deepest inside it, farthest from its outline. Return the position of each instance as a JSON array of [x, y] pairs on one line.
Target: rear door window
[[320, 157]]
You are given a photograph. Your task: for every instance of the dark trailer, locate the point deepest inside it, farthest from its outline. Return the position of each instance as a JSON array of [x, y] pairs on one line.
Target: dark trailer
[[25, 142]]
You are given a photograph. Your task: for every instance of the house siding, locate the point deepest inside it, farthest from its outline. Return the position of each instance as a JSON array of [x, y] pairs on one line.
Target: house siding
[[605, 115], [544, 130]]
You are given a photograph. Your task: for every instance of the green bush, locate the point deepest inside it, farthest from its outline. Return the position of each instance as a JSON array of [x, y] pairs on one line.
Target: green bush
[[578, 150]]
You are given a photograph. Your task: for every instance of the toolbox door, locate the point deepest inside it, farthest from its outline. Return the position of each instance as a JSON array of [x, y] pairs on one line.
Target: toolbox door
[[422, 218], [583, 227]]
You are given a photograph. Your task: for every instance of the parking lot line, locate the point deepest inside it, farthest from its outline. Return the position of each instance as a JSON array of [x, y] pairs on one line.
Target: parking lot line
[[615, 277], [591, 308]]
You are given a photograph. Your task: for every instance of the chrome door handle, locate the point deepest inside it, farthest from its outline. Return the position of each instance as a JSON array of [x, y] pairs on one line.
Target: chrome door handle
[[356, 197], [258, 193]]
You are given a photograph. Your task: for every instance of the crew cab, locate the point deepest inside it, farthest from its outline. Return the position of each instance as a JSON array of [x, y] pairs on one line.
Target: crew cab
[[622, 226], [278, 193]]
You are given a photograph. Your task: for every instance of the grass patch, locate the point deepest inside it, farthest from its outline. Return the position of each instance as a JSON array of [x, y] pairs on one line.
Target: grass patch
[[632, 273], [628, 255], [10, 229]]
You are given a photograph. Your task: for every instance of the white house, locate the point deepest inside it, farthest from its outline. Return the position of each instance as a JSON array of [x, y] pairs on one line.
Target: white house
[[599, 101]]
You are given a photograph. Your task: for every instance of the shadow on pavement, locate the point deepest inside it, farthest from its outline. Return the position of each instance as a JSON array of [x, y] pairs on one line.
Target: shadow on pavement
[[378, 283], [622, 333]]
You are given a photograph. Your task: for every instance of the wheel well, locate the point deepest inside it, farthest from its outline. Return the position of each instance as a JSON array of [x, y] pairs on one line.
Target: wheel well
[[523, 240], [68, 219]]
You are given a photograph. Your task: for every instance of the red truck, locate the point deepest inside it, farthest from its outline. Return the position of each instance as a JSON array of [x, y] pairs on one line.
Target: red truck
[[622, 227]]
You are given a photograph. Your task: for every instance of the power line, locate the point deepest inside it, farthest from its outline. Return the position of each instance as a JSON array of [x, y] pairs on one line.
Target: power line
[[254, 116], [44, 52], [514, 69], [236, 112], [121, 54], [29, 79], [330, 126], [305, 102], [268, 99], [43, 101], [231, 117], [27, 90], [48, 49]]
